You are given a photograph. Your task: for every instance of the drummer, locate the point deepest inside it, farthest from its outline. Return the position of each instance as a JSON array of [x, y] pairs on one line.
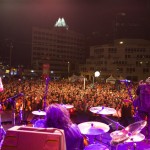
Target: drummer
[[57, 116]]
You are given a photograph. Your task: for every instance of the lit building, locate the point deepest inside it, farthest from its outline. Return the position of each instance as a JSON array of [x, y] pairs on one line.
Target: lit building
[[60, 47], [127, 58]]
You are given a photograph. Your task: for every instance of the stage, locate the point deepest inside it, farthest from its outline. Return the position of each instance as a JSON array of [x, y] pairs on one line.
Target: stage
[[101, 141]]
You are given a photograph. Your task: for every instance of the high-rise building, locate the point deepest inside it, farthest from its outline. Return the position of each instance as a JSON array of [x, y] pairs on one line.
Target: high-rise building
[[127, 58], [60, 47]]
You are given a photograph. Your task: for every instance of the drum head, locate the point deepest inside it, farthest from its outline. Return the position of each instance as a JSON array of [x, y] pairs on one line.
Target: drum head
[[96, 147], [40, 123], [119, 136]]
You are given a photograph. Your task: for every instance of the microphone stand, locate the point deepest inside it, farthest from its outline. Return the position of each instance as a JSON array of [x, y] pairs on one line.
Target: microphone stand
[[13, 102], [13, 111], [45, 94]]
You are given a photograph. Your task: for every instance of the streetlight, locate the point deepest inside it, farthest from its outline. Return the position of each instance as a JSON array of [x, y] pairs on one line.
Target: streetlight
[[96, 74], [68, 68]]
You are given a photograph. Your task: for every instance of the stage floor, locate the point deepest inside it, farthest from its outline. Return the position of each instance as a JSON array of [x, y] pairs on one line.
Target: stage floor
[[101, 142]]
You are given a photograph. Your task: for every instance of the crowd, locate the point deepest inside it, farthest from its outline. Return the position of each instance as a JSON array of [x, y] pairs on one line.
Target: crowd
[[35, 94]]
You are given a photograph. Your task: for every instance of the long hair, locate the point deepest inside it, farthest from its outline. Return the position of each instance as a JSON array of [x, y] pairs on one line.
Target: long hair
[[57, 116]]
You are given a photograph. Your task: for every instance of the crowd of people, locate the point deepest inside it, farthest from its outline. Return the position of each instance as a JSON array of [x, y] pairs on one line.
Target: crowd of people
[[35, 94]]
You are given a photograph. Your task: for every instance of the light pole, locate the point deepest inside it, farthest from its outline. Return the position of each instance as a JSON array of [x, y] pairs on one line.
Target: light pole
[[96, 74], [68, 69], [84, 83]]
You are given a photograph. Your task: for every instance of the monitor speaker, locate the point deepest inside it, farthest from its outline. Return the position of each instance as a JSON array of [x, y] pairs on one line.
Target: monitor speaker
[[29, 138]]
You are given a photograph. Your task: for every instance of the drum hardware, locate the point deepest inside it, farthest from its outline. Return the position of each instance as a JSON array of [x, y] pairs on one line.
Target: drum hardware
[[96, 147], [130, 143], [39, 113], [103, 110], [117, 124], [101, 140], [87, 129], [21, 115], [136, 127], [130, 134], [40, 123], [93, 128]]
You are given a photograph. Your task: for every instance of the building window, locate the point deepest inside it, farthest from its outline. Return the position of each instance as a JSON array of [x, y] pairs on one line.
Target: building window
[[112, 50]]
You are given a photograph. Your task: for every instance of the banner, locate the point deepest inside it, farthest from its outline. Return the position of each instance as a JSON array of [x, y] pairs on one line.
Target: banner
[[46, 70]]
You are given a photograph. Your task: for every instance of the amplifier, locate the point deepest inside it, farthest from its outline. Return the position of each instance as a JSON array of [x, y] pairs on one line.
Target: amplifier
[[29, 138]]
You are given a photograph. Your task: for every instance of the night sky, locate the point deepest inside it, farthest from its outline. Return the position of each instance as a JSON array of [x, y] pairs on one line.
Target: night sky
[[85, 16]]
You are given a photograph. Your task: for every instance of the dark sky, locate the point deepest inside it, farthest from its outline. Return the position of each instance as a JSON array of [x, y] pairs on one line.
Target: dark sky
[[85, 16]]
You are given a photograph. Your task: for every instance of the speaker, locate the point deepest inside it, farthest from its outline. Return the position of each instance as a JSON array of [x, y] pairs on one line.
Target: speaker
[[29, 138]]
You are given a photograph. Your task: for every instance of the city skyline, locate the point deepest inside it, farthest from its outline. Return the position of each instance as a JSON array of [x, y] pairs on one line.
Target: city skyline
[[96, 18]]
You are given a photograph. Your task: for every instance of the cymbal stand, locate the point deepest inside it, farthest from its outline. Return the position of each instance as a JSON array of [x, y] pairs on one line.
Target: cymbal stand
[[21, 115], [117, 124], [100, 140]]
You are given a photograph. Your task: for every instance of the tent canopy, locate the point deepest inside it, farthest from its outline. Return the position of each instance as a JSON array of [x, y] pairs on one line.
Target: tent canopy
[[111, 79]]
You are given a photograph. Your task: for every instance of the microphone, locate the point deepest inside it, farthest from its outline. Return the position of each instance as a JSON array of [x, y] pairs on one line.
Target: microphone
[[15, 96], [125, 80]]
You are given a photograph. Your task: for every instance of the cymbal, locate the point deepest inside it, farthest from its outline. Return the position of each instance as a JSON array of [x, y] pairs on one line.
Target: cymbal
[[136, 127], [119, 136], [103, 110], [39, 113], [68, 106], [93, 128], [130, 133], [136, 138]]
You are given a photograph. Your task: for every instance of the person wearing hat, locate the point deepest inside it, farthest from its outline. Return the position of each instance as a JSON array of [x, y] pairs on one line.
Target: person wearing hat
[[143, 104]]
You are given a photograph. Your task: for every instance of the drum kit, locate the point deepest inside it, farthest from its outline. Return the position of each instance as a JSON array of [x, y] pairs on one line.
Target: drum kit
[[129, 134], [39, 115]]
